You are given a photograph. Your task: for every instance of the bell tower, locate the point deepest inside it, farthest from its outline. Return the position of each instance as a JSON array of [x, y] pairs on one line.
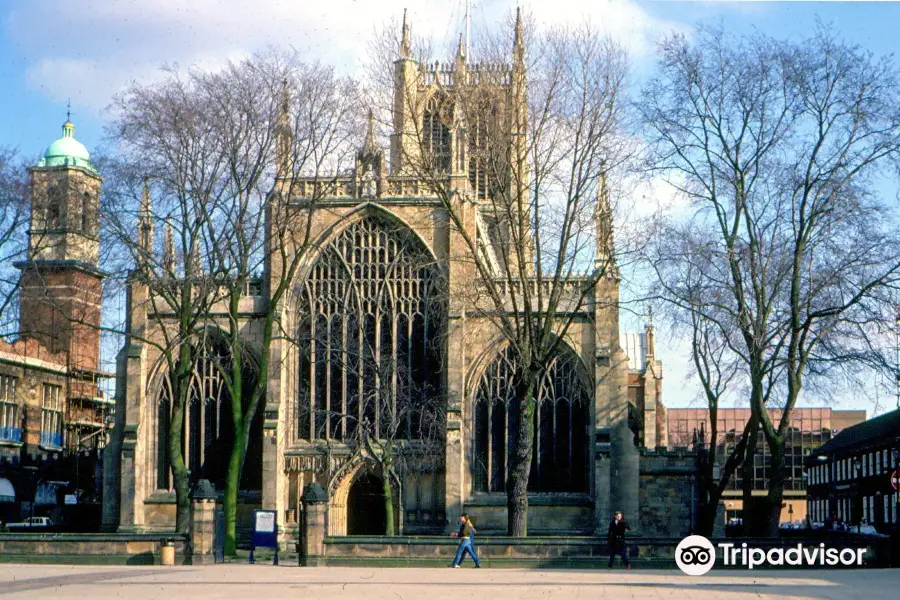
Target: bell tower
[[60, 284]]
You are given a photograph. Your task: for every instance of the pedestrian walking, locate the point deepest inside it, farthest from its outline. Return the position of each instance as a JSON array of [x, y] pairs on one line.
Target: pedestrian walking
[[616, 538], [466, 535]]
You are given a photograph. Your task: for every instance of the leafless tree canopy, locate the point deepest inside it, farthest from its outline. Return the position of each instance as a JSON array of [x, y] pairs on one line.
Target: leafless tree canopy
[[212, 157], [13, 220], [789, 254]]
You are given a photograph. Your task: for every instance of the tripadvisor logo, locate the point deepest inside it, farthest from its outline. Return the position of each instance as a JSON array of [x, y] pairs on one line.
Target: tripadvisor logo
[[695, 555]]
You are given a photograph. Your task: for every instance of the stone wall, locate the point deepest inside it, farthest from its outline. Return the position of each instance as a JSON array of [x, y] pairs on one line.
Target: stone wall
[[499, 551], [551, 516], [667, 493], [79, 548]]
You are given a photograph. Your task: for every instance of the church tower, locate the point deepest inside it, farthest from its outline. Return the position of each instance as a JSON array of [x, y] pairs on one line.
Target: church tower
[[60, 285]]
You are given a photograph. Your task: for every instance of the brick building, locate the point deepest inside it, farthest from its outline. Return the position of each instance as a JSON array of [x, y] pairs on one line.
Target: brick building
[[850, 475], [54, 417], [810, 428]]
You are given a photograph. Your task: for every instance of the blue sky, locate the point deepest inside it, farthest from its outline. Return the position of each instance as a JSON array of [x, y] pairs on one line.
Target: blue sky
[[51, 50]]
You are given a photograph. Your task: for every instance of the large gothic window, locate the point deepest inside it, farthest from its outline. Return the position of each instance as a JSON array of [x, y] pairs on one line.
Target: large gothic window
[[370, 343], [559, 460]]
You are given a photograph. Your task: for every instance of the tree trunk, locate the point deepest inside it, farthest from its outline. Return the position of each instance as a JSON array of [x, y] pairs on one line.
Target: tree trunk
[[706, 520], [180, 475], [776, 485], [747, 514], [520, 463], [388, 502], [232, 483]]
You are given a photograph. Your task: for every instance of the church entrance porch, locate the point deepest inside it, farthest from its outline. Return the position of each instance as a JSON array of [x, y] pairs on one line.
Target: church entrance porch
[[365, 506]]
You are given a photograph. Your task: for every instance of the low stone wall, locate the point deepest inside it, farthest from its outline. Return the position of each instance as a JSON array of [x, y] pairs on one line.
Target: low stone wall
[[495, 551], [90, 548]]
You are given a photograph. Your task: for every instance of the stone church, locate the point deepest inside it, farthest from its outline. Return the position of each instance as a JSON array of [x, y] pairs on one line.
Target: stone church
[[384, 282]]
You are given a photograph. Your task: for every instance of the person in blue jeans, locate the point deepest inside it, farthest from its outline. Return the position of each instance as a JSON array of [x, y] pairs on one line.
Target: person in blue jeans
[[466, 535]]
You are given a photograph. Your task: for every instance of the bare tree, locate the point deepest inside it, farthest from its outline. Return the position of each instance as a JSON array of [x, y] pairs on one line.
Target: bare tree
[[156, 130], [277, 118], [533, 160], [13, 217], [777, 147], [241, 136]]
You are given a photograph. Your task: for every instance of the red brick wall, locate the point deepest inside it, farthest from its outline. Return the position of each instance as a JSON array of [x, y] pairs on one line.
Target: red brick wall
[[60, 308]]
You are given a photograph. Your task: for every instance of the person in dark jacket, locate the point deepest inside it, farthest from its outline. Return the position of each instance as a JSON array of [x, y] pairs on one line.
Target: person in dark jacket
[[466, 535], [617, 529]]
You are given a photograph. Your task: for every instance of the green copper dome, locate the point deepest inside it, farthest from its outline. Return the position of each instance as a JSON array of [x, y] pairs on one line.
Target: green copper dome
[[67, 151]]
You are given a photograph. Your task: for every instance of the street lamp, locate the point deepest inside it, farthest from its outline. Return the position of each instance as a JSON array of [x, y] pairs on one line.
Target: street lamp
[[857, 469]]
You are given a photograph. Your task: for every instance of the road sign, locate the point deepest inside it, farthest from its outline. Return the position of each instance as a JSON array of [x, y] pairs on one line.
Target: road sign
[[895, 480]]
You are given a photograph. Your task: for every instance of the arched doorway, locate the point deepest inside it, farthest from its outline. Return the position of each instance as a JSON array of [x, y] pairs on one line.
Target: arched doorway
[[365, 506]]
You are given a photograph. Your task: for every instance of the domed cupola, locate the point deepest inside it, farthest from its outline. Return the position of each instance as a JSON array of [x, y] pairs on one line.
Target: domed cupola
[[67, 151]]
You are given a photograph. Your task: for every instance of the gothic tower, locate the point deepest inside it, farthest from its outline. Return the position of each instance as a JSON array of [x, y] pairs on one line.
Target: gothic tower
[[60, 285]]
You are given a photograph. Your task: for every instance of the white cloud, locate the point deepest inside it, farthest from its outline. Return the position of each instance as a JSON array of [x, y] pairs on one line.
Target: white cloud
[[89, 50]]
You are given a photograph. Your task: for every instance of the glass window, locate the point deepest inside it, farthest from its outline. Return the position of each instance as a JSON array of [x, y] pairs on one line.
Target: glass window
[[51, 416], [10, 429]]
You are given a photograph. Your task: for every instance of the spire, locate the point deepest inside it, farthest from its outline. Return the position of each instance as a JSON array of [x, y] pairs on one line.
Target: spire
[[146, 222], [68, 128], [194, 259], [604, 224], [519, 41], [405, 44], [370, 147], [650, 334], [284, 140], [169, 250], [468, 25], [459, 63]]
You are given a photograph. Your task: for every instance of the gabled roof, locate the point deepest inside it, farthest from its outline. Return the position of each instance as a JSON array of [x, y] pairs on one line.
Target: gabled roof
[[886, 426]]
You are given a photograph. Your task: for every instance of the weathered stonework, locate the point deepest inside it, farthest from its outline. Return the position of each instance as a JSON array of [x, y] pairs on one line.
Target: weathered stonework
[[668, 492], [431, 494]]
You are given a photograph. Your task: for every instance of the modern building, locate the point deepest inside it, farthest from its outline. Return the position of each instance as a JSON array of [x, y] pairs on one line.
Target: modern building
[[54, 417], [810, 428], [597, 423], [850, 475]]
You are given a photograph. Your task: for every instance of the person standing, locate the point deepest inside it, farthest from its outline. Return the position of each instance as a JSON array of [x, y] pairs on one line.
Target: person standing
[[616, 538], [466, 535]]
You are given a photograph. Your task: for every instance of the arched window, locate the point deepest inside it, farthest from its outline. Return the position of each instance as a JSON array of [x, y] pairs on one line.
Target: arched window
[[370, 343], [163, 413], [487, 147], [208, 432], [438, 114], [559, 459]]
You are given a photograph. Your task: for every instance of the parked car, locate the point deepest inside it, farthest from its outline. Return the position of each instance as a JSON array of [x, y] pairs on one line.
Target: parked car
[[31, 524]]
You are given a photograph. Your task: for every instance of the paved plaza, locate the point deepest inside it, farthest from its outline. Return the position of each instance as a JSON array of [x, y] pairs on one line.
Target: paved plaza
[[258, 582]]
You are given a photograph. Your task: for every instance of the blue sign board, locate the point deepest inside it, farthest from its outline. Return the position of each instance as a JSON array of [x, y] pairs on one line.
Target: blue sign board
[[265, 532]]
